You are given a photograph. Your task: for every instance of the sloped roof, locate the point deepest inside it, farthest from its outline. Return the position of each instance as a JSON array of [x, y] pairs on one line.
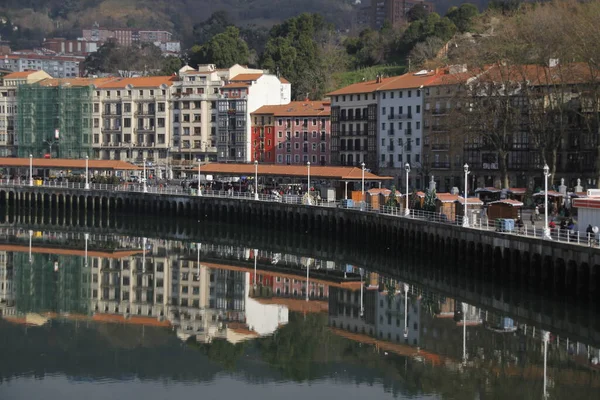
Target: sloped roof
[[551, 193], [510, 202], [361, 87], [297, 109], [338, 173], [65, 163], [470, 201], [245, 77], [75, 82], [139, 82], [236, 85], [20, 75], [447, 197]]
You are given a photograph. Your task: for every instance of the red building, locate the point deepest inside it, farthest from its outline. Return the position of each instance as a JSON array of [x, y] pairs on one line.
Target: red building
[[293, 133]]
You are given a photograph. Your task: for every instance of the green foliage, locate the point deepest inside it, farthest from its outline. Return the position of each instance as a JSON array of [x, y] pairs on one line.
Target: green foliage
[[420, 30], [112, 58], [392, 200], [217, 23], [224, 50], [417, 12], [463, 16], [293, 51], [349, 77], [220, 351], [429, 203]]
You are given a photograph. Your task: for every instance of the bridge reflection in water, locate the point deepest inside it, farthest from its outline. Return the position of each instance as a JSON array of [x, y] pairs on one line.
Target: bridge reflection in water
[[214, 291]]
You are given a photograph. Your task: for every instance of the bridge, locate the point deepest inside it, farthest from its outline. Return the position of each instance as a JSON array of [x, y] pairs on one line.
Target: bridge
[[557, 268]]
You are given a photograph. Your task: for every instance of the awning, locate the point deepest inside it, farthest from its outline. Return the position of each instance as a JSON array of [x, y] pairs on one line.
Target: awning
[[68, 163]]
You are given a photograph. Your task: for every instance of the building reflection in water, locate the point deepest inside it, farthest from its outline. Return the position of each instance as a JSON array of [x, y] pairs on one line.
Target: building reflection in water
[[206, 292]]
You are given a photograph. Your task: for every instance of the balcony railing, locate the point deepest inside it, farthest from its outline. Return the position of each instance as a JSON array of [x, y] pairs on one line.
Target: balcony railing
[[440, 146], [391, 132], [440, 165], [390, 147], [408, 131]]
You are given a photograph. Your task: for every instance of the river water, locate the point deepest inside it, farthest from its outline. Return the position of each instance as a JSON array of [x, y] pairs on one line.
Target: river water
[[106, 315]]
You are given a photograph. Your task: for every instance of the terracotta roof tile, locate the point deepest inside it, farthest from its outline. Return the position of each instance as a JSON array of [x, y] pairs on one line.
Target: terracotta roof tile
[[447, 197], [19, 75], [245, 77], [283, 80], [361, 87], [470, 200], [510, 202], [68, 163], [338, 173], [69, 252], [297, 109], [140, 82], [236, 85]]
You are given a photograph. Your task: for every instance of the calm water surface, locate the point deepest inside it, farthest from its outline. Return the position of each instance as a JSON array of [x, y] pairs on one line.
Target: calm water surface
[[111, 316]]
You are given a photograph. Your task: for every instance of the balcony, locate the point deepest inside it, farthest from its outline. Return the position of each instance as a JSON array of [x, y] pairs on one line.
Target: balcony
[[390, 147], [144, 129], [408, 147], [439, 111], [408, 131], [108, 129], [148, 113], [399, 116], [440, 165], [439, 128], [391, 132], [490, 165], [440, 146]]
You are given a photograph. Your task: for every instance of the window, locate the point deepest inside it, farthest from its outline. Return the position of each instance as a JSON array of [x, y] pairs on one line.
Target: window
[[161, 122], [418, 141], [418, 125], [418, 93], [382, 110], [418, 109], [410, 93], [383, 126], [383, 95]]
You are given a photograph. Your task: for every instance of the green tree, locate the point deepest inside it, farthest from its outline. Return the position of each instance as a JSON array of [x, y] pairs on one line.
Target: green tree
[[463, 16], [217, 23], [223, 50], [429, 203], [417, 12], [170, 65], [392, 200]]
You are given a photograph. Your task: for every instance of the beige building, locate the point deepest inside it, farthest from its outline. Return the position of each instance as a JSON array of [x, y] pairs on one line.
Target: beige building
[[8, 106]]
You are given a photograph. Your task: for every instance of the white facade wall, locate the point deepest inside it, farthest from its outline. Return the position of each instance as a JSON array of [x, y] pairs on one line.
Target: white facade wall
[[400, 130], [263, 319], [390, 318]]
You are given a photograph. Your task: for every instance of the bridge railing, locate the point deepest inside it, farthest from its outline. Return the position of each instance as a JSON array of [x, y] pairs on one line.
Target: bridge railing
[[557, 234]]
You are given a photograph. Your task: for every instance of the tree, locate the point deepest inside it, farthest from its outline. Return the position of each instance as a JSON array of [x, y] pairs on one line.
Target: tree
[[463, 16], [217, 23], [424, 51], [430, 198], [392, 200], [223, 50], [294, 51], [170, 66], [417, 12]]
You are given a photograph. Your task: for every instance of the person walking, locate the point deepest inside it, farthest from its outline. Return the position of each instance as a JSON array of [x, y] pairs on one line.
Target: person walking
[[537, 212], [590, 234]]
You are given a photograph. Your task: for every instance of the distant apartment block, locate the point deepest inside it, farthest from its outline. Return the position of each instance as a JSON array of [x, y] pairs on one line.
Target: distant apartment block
[[55, 66], [128, 36], [393, 11], [63, 46]]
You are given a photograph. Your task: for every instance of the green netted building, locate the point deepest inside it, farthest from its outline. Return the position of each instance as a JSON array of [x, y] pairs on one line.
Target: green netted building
[[47, 112]]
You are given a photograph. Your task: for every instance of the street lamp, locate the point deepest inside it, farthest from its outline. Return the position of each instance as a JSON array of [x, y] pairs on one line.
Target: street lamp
[[86, 237], [199, 187], [30, 237], [464, 312], [406, 288], [307, 271], [465, 217], [144, 178], [87, 166], [144, 241], [346, 191], [255, 262], [31, 170], [546, 227], [363, 181], [256, 180], [308, 184], [362, 308], [545, 339], [407, 169]]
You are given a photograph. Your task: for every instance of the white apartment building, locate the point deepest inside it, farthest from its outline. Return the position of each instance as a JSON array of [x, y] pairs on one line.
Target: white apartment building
[[393, 323], [56, 66], [400, 129], [243, 94], [8, 106]]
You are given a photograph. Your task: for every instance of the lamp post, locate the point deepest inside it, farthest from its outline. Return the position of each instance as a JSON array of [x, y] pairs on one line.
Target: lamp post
[[363, 182], [199, 170], [406, 288], [86, 237], [30, 237], [546, 227], [362, 308], [144, 241], [465, 216], [407, 169], [144, 178], [256, 180], [307, 272], [87, 166], [31, 170], [255, 262], [545, 339], [308, 182], [346, 191], [198, 246], [464, 310]]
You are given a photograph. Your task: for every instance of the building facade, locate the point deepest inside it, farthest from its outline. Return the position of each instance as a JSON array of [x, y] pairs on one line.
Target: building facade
[[9, 106], [354, 123], [394, 12], [240, 96], [55, 66], [295, 133]]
